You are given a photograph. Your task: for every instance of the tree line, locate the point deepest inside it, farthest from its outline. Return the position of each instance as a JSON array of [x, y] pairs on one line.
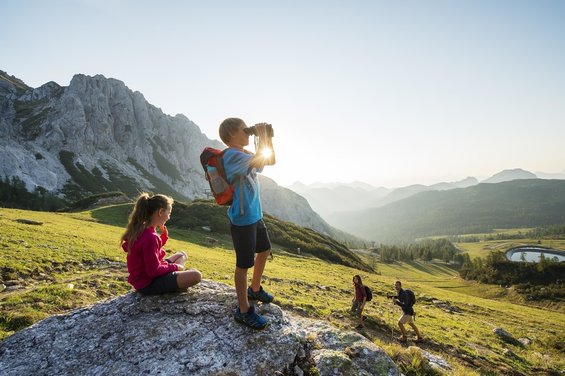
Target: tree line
[[14, 194], [426, 250]]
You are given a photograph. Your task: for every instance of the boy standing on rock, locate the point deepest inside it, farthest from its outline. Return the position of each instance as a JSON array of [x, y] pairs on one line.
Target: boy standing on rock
[[249, 234]]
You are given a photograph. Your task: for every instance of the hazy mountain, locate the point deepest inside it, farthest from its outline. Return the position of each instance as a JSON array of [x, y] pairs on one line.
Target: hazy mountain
[[547, 175], [97, 135], [327, 198], [480, 208], [508, 175], [467, 182]]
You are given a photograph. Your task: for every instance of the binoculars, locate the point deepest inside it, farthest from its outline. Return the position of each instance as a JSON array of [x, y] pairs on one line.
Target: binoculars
[[263, 141], [257, 130]]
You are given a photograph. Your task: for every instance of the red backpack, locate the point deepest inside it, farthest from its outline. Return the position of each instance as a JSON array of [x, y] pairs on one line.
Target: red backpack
[[212, 161]]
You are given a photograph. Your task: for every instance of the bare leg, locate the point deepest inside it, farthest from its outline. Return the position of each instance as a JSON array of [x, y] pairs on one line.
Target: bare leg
[[415, 329], [188, 278], [240, 280], [402, 330], [260, 261]]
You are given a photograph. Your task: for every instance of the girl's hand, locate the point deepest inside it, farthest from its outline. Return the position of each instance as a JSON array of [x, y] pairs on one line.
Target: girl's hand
[[180, 268], [163, 229]]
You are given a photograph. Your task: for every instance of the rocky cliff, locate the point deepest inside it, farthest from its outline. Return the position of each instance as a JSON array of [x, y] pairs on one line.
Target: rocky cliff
[[96, 135], [189, 333]]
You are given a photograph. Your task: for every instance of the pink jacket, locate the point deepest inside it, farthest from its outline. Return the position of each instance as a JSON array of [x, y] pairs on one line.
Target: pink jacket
[[146, 260]]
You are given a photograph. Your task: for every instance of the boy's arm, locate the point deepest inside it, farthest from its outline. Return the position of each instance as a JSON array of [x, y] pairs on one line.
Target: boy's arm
[[258, 161]]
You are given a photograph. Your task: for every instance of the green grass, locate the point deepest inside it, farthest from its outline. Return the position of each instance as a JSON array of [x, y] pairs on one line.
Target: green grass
[[72, 260]]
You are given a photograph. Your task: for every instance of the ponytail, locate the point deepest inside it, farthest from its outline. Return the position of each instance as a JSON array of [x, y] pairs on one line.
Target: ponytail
[[140, 217]]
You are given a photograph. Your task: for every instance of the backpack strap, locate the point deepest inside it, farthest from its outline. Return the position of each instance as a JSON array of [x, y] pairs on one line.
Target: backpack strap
[[241, 211], [220, 165]]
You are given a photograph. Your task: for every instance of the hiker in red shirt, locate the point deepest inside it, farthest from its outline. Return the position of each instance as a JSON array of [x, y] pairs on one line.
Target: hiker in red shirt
[[358, 302], [149, 271]]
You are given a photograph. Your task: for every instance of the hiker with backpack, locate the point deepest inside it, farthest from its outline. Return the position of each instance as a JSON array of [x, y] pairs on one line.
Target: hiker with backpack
[[239, 167], [406, 300], [360, 297]]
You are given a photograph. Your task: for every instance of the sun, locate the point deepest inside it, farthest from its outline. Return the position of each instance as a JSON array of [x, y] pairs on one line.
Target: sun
[[266, 152]]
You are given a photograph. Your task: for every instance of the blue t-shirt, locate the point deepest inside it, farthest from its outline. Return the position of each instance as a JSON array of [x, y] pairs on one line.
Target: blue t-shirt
[[241, 175]]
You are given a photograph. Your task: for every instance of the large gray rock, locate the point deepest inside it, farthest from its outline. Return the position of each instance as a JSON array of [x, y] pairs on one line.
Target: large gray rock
[[190, 333]]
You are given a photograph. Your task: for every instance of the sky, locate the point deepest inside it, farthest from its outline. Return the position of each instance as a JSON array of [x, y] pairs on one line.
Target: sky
[[390, 93]]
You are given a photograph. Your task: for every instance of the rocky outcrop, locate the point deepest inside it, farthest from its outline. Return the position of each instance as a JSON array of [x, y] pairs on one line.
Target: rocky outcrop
[[189, 333]]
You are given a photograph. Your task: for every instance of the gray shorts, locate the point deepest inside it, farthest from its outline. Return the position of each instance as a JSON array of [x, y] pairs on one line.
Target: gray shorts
[[162, 284]]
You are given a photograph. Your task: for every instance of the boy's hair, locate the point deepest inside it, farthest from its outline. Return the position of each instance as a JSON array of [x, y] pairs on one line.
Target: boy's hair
[[228, 127], [140, 217]]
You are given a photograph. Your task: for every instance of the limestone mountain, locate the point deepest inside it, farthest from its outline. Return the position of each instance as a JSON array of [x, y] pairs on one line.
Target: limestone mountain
[[96, 135]]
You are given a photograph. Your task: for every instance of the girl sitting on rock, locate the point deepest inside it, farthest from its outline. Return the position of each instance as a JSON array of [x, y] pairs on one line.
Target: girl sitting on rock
[[149, 271]]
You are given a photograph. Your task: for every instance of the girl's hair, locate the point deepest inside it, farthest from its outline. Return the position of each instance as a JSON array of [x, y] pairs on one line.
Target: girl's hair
[[358, 278], [140, 217]]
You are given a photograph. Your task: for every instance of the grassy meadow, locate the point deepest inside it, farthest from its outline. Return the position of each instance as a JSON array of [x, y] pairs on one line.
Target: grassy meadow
[[69, 260]]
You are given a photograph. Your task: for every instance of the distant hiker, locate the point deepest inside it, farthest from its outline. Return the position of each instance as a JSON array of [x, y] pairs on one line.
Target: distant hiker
[[149, 271], [405, 300], [359, 299], [249, 234]]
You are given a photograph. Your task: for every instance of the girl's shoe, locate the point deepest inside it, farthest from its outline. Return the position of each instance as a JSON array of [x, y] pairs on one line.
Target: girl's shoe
[[260, 295], [250, 319]]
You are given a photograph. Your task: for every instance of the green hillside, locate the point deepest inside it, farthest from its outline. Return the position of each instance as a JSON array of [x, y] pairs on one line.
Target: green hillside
[[481, 208], [53, 262], [202, 215]]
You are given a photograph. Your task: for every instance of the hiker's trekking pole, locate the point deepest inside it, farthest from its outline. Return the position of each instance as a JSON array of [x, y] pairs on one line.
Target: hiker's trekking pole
[[391, 318]]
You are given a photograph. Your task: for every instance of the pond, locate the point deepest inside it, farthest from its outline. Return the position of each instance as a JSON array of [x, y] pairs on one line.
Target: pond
[[532, 253]]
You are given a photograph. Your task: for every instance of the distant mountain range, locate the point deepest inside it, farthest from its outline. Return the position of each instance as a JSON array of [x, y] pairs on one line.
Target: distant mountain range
[[479, 208], [96, 135], [327, 199]]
